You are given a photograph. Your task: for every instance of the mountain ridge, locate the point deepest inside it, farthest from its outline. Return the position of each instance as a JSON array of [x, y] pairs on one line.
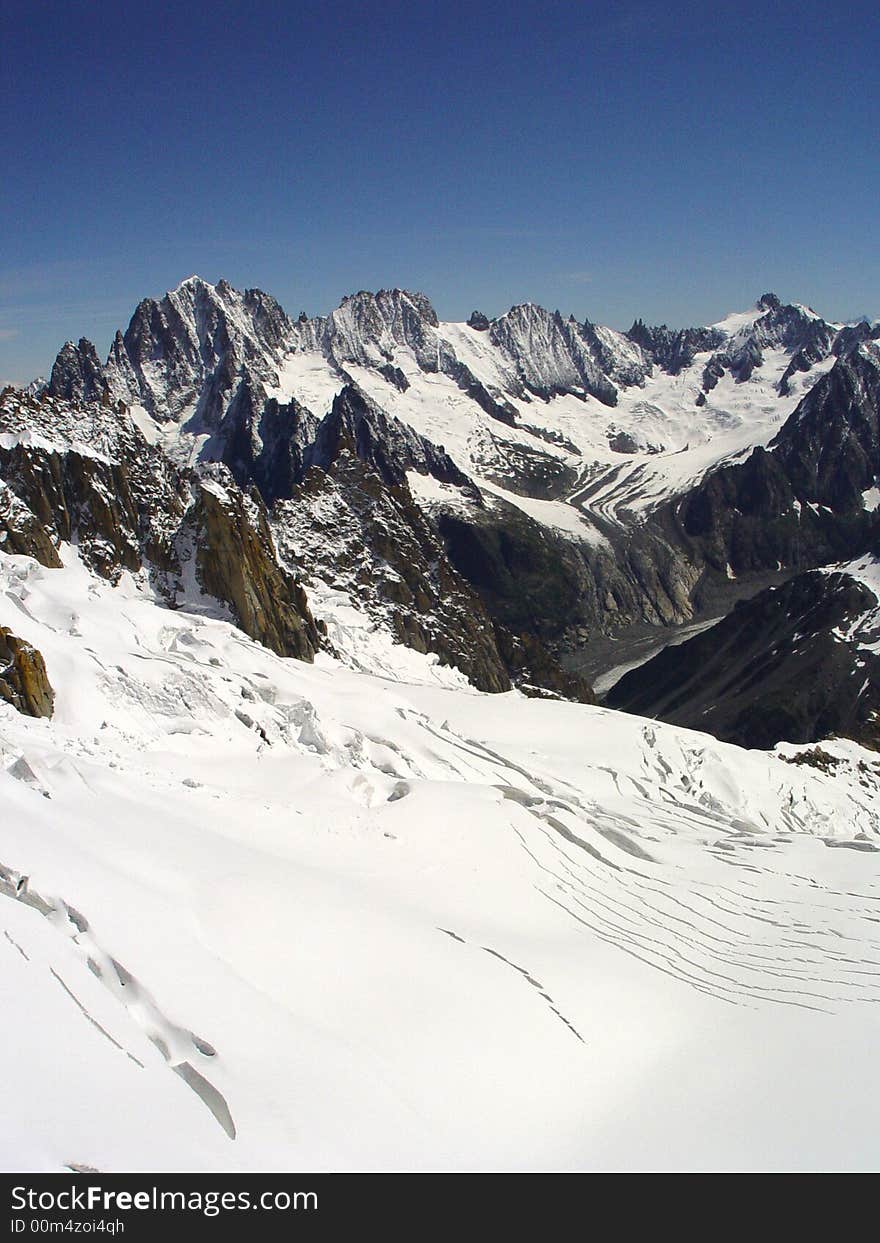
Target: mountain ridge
[[579, 482]]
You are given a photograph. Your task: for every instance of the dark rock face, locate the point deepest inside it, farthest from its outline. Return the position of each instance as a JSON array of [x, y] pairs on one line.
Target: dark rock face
[[478, 321], [264, 441], [673, 350], [525, 470], [622, 442], [77, 374], [854, 334], [24, 682], [769, 302], [817, 342], [776, 669], [534, 582], [830, 446], [530, 581], [236, 562], [360, 534], [394, 376], [798, 503], [127, 507], [536, 672], [378, 438], [113, 494], [21, 532]]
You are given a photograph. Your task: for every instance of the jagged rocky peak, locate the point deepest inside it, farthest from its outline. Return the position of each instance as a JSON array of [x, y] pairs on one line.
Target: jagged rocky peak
[[769, 302], [738, 342], [77, 374], [775, 325], [478, 321], [197, 335], [551, 355], [367, 328], [790, 326], [674, 349]]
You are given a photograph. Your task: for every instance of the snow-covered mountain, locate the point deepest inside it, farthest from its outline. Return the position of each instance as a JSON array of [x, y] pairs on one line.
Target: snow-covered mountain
[[532, 403], [306, 796], [579, 481]]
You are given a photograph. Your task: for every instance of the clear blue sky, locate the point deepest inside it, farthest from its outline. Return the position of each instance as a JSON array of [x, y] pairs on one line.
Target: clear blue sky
[[670, 160]]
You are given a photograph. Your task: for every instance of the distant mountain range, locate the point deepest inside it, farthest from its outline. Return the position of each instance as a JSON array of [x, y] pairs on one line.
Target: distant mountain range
[[531, 498]]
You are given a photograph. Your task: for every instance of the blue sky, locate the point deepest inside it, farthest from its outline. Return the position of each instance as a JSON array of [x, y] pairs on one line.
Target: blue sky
[[670, 160]]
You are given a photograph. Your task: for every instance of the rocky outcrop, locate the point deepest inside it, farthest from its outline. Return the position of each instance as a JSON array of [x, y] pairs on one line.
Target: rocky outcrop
[[369, 539], [674, 349], [536, 672], [789, 665], [549, 354], [86, 475], [264, 441], [98, 484], [798, 503], [388, 445], [394, 376], [21, 532], [24, 682], [236, 562], [491, 401], [77, 374]]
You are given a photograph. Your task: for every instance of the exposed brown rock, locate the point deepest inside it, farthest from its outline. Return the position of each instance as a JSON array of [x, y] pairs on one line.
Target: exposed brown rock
[[89, 477], [22, 534], [24, 682], [236, 562]]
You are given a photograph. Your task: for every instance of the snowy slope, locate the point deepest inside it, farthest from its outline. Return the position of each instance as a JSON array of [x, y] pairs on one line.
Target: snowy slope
[[671, 441], [367, 923]]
